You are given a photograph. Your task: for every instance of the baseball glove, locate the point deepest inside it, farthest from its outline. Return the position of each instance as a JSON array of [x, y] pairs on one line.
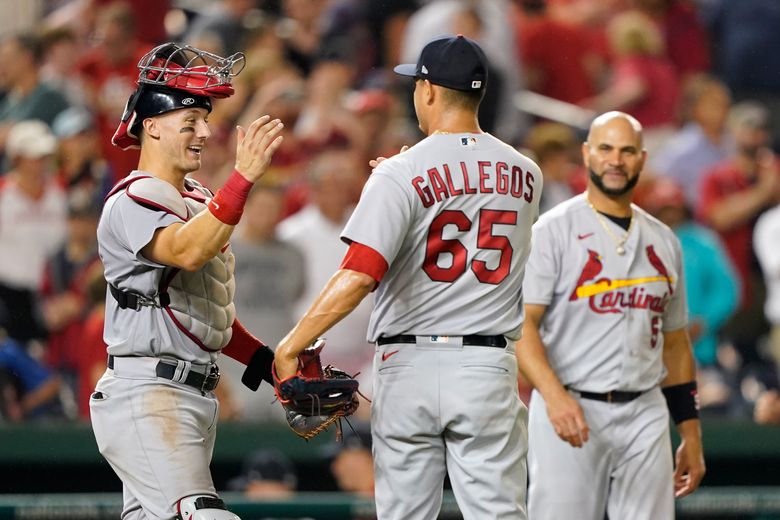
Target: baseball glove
[[316, 397]]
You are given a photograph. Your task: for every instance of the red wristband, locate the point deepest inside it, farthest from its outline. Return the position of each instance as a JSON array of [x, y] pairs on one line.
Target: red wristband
[[228, 203]]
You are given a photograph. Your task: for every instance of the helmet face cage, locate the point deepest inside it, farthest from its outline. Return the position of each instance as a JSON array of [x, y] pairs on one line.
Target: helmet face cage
[[187, 68]]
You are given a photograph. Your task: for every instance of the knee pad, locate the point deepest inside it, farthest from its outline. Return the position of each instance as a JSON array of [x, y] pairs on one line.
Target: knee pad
[[203, 507]]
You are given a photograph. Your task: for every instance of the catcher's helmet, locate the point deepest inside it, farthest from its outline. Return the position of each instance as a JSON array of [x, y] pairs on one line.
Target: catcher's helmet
[[171, 77]]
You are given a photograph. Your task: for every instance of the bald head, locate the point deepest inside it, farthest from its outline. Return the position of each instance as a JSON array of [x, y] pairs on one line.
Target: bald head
[[613, 153], [615, 119]]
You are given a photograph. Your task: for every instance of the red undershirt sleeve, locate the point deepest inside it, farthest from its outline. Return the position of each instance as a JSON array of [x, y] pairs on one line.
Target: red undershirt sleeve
[[242, 345], [366, 260]]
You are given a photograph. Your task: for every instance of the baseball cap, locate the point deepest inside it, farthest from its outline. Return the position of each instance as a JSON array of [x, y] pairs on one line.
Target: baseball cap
[[31, 139], [72, 121], [451, 61]]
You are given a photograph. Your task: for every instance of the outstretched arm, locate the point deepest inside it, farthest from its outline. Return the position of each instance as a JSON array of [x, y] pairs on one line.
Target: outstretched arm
[[679, 388], [564, 411], [343, 292]]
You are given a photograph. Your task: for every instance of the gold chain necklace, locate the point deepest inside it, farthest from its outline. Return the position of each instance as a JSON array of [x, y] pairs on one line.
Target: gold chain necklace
[[619, 241]]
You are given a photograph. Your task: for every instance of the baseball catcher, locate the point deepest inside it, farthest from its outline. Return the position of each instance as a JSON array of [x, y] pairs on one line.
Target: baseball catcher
[[316, 397]]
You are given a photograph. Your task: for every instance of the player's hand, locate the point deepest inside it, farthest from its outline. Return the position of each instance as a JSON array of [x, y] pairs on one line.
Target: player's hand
[[256, 145], [567, 418], [689, 459], [375, 162], [285, 363]]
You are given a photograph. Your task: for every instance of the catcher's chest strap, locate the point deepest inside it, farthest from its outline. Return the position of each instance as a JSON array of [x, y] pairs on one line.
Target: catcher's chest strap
[[128, 300], [472, 340]]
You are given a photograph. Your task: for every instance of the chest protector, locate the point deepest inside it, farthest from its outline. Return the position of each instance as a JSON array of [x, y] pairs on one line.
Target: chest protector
[[201, 302]]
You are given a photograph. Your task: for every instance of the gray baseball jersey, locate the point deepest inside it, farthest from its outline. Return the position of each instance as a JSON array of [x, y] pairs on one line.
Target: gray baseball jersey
[[455, 229], [603, 331], [605, 312], [452, 216]]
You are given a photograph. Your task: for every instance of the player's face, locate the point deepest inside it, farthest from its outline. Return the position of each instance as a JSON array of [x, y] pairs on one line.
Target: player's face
[[614, 157], [183, 135]]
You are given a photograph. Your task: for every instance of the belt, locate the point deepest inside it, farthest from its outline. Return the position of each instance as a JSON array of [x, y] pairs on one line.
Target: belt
[[166, 370], [477, 341], [614, 396]]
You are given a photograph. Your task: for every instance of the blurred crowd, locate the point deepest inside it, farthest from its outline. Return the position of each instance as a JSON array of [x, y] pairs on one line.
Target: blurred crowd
[[703, 77]]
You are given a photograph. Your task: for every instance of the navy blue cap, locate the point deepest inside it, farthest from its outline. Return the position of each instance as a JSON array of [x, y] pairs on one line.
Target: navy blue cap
[[451, 61]]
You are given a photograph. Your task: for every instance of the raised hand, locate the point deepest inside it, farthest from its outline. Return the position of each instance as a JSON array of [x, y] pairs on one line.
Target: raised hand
[[256, 145]]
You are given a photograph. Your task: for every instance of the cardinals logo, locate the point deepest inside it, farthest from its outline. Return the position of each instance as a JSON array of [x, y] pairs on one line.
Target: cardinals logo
[[603, 294]]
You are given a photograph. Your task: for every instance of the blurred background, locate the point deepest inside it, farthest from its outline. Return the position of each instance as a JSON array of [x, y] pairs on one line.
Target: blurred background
[[703, 77]]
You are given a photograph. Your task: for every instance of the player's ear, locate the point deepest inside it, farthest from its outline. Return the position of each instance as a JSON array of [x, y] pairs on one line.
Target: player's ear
[[429, 92], [152, 127], [586, 154]]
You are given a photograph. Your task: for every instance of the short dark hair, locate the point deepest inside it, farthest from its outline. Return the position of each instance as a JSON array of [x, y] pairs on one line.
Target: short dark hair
[[30, 43], [462, 99]]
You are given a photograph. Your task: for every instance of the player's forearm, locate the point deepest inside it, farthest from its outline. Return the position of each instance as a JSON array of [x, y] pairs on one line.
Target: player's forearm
[[678, 358], [533, 362], [343, 292], [198, 241], [690, 430], [737, 209]]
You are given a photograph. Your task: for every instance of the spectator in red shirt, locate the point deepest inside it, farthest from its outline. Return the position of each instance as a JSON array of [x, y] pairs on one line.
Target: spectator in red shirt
[[559, 58], [110, 71], [735, 192], [644, 83], [687, 45], [733, 195]]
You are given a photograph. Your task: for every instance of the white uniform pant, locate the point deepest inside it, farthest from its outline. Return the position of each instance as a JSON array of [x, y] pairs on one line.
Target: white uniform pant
[[625, 469], [453, 409], [158, 437]]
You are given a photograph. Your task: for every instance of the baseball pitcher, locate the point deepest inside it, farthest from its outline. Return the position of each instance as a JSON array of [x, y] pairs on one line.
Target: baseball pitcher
[[442, 233]]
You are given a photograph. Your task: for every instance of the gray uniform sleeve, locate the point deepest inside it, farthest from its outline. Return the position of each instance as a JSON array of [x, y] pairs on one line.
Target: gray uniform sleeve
[[382, 216], [134, 225], [676, 313], [543, 267]]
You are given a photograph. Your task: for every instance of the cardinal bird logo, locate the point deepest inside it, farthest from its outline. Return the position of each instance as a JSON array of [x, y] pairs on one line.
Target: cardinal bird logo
[[592, 268], [659, 266]]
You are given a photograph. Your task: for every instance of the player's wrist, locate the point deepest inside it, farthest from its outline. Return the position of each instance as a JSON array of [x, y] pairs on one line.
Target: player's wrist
[[227, 205], [682, 401]]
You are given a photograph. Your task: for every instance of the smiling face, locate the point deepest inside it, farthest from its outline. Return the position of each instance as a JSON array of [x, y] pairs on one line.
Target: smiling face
[[613, 155], [182, 135]]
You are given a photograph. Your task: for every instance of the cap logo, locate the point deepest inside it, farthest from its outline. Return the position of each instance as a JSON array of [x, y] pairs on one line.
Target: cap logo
[[187, 101], [424, 69], [476, 84]]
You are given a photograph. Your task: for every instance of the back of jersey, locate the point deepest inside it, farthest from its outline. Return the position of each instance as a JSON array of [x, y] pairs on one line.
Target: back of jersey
[[452, 216]]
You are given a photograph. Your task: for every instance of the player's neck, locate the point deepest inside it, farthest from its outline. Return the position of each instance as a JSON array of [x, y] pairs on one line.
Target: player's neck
[[455, 122], [161, 170], [617, 206]]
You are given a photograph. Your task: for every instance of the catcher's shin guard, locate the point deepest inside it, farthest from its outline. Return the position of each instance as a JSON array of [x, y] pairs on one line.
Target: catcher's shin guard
[[203, 507]]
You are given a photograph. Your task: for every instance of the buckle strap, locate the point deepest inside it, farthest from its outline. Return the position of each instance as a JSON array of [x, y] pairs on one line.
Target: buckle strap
[[180, 372], [613, 396], [471, 340], [129, 300]]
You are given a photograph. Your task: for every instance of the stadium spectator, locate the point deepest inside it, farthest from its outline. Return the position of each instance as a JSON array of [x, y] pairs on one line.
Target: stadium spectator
[[227, 20], [26, 95], [685, 39], [334, 183], [643, 81], [702, 142], [33, 211], [555, 148], [270, 277], [353, 464], [64, 302], [109, 71], [711, 284], [80, 163], [733, 195], [61, 50], [559, 59], [28, 390], [266, 475]]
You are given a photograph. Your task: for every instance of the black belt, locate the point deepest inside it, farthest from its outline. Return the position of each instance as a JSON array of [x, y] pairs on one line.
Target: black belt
[[476, 341], [202, 382], [615, 396]]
